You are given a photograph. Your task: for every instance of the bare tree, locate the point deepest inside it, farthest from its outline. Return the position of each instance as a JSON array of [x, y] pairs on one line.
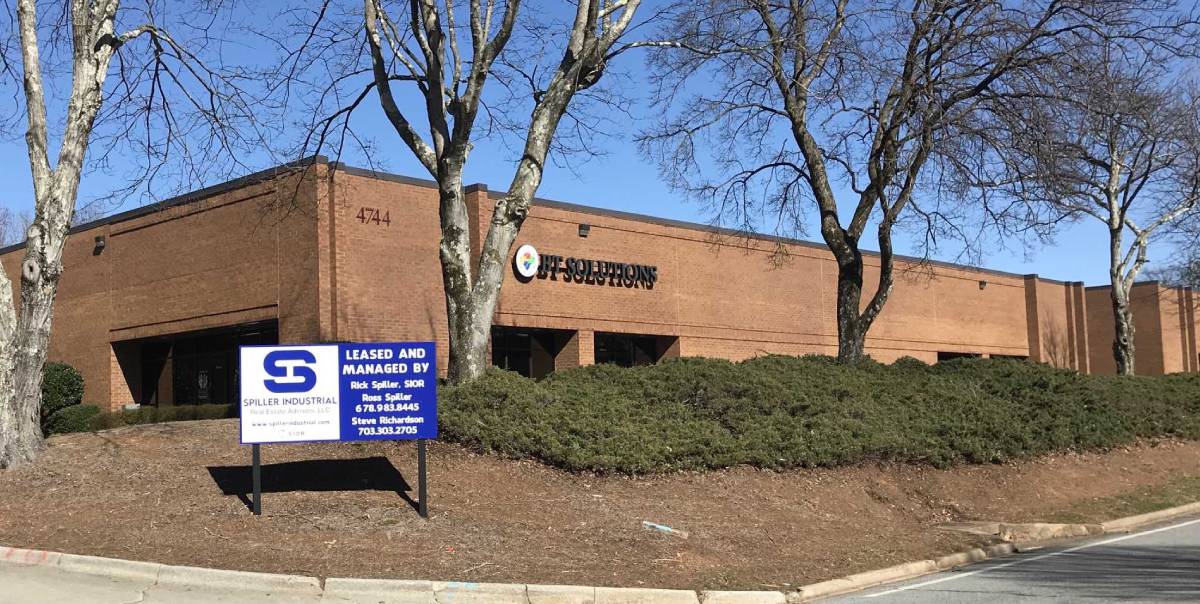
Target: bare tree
[[1113, 137], [1182, 268], [77, 50], [781, 105], [1183, 271], [13, 225], [449, 54]]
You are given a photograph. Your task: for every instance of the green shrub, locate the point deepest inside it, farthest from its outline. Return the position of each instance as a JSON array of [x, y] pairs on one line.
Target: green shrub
[[785, 412], [75, 418], [154, 415], [62, 386]]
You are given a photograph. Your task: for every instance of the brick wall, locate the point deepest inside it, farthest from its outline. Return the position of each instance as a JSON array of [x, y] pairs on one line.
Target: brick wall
[[1057, 324], [385, 278], [238, 256], [737, 298], [348, 256], [1152, 338]]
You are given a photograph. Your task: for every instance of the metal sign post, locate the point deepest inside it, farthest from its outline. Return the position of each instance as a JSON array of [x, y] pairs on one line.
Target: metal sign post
[[256, 478], [338, 392], [422, 495]]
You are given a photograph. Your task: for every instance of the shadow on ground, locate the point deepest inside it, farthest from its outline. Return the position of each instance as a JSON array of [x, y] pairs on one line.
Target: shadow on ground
[[363, 474]]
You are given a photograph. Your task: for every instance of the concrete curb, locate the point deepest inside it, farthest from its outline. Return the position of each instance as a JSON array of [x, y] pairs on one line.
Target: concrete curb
[[192, 576], [560, 594], [437, 592], [404, 592], [110, 567], [626, 595], [1044, 531], [1124, 525], [870, 578], [742, 597], [900, 572]]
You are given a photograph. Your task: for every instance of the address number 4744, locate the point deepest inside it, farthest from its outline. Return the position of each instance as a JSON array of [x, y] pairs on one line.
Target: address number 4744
[[374, 216]]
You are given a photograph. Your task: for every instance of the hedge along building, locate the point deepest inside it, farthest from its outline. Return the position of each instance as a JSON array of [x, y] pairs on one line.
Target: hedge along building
[[154, 302]]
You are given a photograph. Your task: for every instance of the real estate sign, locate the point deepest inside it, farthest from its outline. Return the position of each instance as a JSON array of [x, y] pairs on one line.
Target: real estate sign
[[338, 392]]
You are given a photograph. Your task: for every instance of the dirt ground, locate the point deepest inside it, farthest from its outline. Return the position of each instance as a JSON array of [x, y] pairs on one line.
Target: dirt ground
[[173, 493]]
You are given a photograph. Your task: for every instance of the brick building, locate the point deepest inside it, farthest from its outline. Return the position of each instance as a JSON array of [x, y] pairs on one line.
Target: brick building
[[155, 301]]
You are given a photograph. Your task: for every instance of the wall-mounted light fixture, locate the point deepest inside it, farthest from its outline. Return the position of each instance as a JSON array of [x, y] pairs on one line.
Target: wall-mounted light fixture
[[584, 229], [100, 243], [983, 285]]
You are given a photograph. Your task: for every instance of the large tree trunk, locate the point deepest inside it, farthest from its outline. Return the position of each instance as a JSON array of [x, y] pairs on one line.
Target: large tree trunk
[[27, 347], [468, 327], [855, 318], [472, 296], [1122, 286], [39, 284], [1123, 348], [13, 447], [852, 333], [469, 337]]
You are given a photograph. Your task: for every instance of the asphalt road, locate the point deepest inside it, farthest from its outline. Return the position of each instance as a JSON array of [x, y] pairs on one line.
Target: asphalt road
[[1155, 565]]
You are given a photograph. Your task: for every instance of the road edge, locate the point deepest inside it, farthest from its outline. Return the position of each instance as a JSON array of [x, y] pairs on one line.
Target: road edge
[[189, 576]]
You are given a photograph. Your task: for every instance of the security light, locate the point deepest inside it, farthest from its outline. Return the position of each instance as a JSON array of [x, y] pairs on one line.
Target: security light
[[584, 229], [100, 243], [983, 285]]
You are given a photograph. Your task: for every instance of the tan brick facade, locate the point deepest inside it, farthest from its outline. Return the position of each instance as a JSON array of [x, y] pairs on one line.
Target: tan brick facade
[[344, 255]]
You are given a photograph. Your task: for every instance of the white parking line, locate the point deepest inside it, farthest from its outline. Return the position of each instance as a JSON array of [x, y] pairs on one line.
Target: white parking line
[[1033, 559]]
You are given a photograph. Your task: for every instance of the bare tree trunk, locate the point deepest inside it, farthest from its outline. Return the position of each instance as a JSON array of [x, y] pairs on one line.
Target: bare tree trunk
[[469, 323], [27, 347], [1123, 331], [9, 421], [852, 334], [40, 272], [1122, 285], [853, 317]]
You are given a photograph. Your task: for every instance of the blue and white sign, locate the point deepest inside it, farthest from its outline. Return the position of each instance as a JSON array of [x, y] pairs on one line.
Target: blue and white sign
[[343, 392]]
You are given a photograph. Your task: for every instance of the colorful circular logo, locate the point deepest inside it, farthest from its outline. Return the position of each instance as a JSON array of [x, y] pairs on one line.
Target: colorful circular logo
[[527, 261]]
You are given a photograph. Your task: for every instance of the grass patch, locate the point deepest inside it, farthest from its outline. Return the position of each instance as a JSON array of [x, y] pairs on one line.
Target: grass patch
[[786, 412], [1180, 491]]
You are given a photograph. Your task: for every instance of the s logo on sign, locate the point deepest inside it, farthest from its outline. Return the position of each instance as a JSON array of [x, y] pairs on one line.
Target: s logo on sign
[[527, 261], [292, 369]]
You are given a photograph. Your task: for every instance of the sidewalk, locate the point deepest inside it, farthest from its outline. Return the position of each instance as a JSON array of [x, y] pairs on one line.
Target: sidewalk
[[49, 585]]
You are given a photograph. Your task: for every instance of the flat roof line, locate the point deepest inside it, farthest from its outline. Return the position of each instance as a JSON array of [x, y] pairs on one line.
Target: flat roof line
[[275, 171], [1136, 284], [189, 197]]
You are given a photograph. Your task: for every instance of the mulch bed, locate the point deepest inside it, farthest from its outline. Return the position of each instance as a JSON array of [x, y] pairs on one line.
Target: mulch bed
[[174, 493]]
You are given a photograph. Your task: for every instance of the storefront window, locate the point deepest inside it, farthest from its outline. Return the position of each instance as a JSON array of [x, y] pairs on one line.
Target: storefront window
[[626, 350], [529, 352], [196, 368]]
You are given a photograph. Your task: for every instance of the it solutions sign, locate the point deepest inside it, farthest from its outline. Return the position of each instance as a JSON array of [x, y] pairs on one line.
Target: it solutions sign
[[338, 392], [528, 264]]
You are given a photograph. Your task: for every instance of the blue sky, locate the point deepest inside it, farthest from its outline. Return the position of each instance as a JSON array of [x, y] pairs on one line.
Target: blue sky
[[621, 180]]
